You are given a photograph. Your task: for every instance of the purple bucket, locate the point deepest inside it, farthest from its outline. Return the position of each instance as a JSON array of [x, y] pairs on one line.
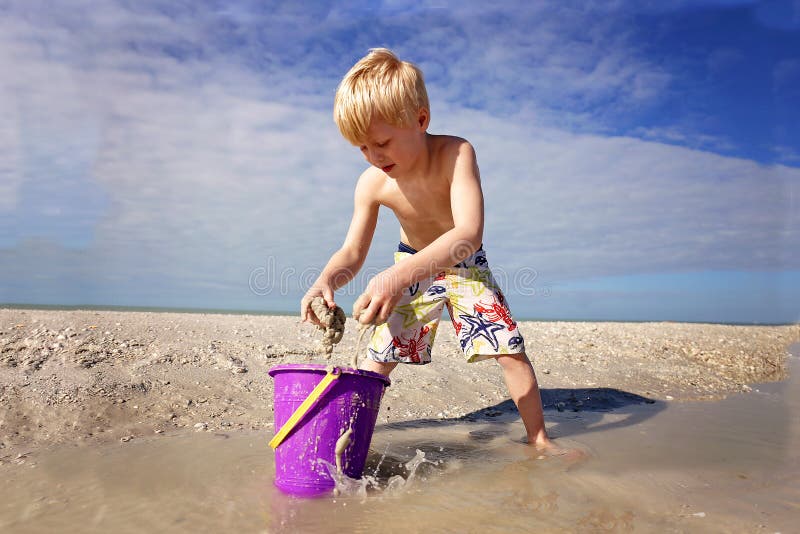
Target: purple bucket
[[352, 401]]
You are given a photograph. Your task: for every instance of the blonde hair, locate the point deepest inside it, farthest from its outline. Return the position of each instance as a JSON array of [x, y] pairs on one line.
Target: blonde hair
[[378, 85]]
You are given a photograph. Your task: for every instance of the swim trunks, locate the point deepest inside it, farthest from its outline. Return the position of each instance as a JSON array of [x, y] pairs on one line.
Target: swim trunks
[[477, 308]]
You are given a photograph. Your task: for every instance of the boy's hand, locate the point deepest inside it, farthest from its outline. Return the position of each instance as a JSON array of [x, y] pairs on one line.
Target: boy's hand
[[306, 313], [378, 300]]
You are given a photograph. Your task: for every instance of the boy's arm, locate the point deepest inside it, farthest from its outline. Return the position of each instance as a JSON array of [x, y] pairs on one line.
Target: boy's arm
[[345, 262], [450, 248]]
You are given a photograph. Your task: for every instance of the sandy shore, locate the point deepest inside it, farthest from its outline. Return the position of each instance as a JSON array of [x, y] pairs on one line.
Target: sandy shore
[[89, 377]]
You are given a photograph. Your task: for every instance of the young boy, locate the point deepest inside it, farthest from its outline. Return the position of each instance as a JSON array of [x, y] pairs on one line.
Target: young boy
[[432, 185]]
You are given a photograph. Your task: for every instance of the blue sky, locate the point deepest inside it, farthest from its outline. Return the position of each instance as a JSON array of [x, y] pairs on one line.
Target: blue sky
[[640, 160]]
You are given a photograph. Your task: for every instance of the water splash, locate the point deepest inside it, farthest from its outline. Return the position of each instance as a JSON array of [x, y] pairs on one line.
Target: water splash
[[397, 483], [345, 485], [383, 457]]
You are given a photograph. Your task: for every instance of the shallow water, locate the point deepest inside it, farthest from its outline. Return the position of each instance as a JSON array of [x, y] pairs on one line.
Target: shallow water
[[664, 467]]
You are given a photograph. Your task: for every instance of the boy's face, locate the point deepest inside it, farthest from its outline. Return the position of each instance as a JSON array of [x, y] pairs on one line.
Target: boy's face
[[395, 150]]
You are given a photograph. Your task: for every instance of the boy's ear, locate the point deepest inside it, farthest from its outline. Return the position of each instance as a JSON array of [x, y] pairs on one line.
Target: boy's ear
[[423, 119]]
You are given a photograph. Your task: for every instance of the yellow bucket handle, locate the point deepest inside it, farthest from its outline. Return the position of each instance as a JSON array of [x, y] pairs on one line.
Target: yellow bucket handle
[[307, 404]]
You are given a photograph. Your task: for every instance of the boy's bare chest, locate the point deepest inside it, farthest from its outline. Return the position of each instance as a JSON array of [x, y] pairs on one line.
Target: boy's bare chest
[[420, 205]]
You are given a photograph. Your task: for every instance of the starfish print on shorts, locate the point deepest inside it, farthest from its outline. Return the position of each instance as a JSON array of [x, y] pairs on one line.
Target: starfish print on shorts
[[475, 286], [413, 312], [480, 327], [387, 354]]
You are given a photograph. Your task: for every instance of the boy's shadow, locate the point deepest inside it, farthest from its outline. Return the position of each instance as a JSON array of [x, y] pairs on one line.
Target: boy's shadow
[[568, 412]]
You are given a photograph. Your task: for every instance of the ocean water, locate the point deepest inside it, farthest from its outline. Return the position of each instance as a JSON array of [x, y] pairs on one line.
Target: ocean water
[[729, 466]]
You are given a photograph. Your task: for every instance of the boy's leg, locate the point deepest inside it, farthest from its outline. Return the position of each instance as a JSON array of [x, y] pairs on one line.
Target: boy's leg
[[383, 368], [524, 389]]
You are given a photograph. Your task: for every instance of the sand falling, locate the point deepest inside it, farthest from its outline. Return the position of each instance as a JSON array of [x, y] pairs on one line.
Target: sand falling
[[332, 322]]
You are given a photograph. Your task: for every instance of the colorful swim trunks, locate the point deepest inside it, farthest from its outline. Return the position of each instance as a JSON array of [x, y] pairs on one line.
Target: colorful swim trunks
[[476, 305]]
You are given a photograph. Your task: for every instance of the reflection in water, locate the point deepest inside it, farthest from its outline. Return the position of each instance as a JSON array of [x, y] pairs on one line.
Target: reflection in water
[[699, 467]]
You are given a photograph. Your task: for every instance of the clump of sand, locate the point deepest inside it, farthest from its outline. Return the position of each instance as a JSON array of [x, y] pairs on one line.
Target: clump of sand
[[331, 323]]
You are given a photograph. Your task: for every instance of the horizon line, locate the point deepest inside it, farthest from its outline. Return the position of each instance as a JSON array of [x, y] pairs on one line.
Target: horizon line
[[284, 313]]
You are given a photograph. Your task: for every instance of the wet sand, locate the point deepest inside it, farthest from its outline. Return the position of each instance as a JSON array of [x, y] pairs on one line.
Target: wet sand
[[167, 416], [726, 466]]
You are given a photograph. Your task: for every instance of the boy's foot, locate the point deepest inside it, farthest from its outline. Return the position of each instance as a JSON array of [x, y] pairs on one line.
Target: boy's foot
[[548, 448]]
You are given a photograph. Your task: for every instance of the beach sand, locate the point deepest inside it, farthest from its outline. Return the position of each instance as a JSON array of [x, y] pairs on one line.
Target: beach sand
[[89, 377]]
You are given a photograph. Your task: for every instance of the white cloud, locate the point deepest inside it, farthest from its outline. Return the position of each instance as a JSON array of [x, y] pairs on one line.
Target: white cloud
[[598, 206], [787, 154], [673, 135], [539, 57], [214, 156], [10, 176]]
